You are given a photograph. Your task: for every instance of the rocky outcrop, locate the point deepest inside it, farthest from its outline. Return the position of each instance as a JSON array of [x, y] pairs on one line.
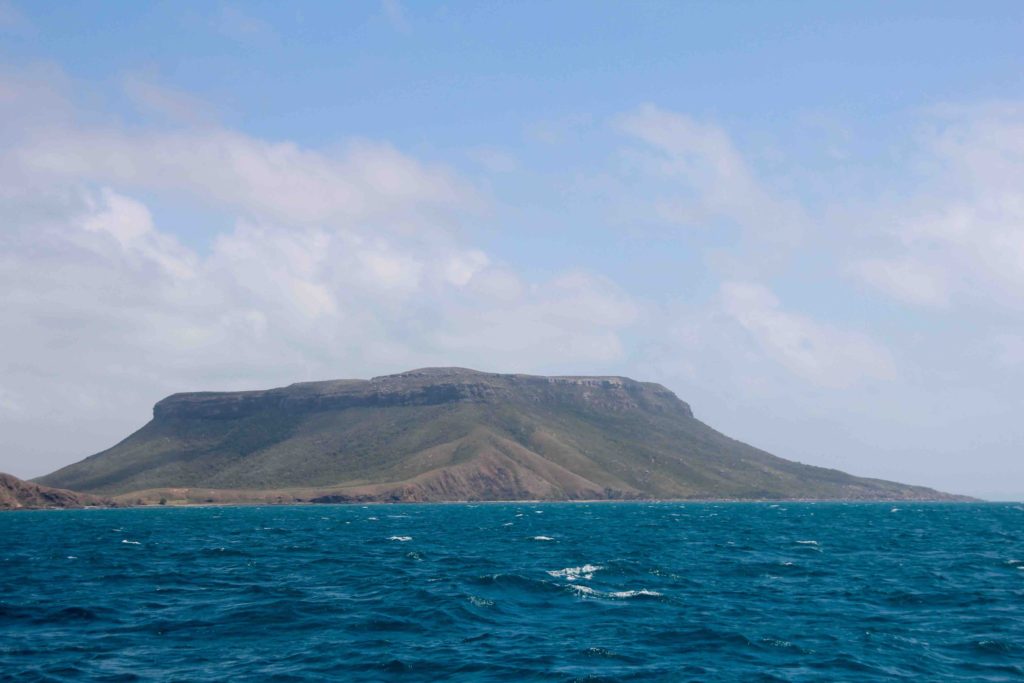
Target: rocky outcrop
[[17, 494]]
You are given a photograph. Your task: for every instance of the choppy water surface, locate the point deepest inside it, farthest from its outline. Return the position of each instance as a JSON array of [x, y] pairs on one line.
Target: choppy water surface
[[625, 591]]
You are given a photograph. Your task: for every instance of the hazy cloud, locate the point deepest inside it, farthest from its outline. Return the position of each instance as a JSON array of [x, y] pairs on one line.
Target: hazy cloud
[[278, 180], [494, 159], [824, 354], [395, 14], [960, 236], [713, 179], [239, 25], [172, 104], [909, 281]]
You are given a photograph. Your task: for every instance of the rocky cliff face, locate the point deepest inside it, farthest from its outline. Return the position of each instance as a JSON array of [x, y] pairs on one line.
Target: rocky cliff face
[[17, 494], [429, 386]]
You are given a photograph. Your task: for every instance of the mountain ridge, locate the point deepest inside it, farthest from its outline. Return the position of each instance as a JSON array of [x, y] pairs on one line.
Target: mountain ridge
[[442, 434]]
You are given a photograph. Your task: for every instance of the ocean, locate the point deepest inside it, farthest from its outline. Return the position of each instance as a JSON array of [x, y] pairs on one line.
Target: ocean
[[515, 592]]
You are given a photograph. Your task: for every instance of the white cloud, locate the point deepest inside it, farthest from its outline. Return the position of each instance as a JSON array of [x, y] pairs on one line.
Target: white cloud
[[713, 179], [909, 281], [125, 219], [823, 354], [461, 267], [257, 178], [959, 239], [130, 224]]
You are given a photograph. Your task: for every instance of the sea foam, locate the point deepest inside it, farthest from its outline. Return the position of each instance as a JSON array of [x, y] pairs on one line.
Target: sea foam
[[576, 573], [590, 592]]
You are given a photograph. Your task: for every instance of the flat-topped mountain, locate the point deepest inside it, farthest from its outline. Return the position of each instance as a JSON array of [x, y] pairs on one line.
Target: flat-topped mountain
[[442, 434], [17, 494]]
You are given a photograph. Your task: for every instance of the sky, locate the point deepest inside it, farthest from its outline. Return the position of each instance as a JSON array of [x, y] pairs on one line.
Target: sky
[[805, 218]]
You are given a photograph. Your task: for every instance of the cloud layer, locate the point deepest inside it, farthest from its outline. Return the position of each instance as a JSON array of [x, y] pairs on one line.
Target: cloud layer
[[960, 238]]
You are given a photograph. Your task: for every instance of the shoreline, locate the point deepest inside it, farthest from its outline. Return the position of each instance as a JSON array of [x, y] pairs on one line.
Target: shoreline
[[633, 501]]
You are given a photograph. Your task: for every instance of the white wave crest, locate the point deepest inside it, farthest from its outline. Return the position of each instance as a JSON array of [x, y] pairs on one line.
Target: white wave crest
[[588, 591], [400, 538], [576, 573], [543, 538], [633, 594]]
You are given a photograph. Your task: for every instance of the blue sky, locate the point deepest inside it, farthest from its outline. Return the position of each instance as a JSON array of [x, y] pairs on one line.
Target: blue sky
[[807, 219]]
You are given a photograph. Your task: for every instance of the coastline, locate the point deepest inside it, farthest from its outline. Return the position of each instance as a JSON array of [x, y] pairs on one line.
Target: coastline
[[962, 500]]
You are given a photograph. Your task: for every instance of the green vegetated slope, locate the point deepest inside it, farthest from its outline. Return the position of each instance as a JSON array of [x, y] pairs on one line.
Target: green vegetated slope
[[452, 434]]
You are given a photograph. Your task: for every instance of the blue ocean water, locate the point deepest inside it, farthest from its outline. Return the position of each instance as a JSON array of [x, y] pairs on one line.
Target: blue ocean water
[[623, 591]]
